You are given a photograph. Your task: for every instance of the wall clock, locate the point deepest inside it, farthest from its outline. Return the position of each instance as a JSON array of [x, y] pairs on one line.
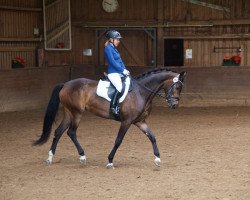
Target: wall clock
[[110, 5]]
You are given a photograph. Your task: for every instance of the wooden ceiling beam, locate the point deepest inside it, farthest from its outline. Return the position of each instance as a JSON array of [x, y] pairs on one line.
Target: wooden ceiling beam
[[170, 24], [207, 37], [209, 5]]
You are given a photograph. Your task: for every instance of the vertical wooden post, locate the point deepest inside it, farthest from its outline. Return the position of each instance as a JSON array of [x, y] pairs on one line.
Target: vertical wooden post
[[39, 57], [160, 34]]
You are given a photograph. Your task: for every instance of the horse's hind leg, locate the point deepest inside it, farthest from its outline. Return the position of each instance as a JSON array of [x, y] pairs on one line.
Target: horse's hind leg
[[72, 134], [58, 133], [144, 128]]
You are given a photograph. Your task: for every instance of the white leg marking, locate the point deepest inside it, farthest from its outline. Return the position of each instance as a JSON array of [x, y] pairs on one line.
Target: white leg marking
[[50, 158], [110, 166], [83, 160], [157, 161]]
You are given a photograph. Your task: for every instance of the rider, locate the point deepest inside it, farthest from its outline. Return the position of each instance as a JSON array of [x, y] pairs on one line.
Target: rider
[[116, 67]]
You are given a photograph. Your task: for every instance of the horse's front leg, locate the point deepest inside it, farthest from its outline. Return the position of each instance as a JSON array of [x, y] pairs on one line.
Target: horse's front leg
[[122, 131], [144, 128]]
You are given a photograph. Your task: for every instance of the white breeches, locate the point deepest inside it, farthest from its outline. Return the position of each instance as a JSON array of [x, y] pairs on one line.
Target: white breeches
[[116, 80]]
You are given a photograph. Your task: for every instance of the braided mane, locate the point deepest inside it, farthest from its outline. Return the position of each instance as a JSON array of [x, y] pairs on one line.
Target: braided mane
[[150, 72]]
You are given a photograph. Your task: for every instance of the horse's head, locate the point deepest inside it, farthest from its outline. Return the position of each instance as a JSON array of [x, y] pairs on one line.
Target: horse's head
[[163, 78], [172, 88]]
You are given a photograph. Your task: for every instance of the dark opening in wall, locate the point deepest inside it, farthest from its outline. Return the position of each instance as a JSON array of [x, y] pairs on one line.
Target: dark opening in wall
[[173, 52]]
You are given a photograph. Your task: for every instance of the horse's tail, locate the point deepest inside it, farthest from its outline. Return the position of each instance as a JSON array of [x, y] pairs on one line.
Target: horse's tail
[[50, 115]]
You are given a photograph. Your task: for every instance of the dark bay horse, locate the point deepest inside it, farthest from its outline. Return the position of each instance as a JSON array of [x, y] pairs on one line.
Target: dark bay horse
[[79, 95]]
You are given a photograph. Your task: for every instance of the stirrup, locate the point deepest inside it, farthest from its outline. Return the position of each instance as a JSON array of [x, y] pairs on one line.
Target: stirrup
[[115, 110], [115, 113]]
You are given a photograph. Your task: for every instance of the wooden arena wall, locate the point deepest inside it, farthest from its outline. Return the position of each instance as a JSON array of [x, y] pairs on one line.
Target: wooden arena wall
[[211, 32], [25, 89]]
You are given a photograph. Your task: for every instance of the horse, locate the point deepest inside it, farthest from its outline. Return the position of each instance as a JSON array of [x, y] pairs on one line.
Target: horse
[[79, 95]]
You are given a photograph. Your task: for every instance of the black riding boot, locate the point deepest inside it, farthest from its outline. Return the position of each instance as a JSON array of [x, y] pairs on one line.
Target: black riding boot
[[114, 102]]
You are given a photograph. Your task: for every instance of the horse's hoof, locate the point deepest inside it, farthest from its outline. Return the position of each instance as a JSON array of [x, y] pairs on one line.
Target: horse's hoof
[[83, 160], [157, 161], [49, 161], [50, 158], [110, 166]]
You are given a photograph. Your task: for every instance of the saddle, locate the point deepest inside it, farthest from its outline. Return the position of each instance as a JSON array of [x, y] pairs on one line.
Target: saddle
[[105, 88]]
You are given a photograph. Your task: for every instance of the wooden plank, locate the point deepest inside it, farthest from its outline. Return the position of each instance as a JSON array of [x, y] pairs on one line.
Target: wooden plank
[[12, 49], [209, 5], [132, 54], [231, 22], [231, 36], [21, 39], [57, 35], [20, 8], [29, 88], [58, 28], [53, 3]]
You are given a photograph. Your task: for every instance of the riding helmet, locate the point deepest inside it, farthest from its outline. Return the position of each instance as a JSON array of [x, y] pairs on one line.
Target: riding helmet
[[113, 34]]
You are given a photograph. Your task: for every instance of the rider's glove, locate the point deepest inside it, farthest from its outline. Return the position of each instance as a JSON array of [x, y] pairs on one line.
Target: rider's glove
[[126, 72]]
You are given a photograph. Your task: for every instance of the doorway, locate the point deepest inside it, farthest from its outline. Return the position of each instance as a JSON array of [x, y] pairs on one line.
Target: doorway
[[173, 52]]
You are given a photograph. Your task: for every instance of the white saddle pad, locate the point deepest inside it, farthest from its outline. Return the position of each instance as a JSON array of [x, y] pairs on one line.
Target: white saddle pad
[[103, 87]]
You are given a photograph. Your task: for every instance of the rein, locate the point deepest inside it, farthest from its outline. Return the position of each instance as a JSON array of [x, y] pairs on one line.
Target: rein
[[159, 94]]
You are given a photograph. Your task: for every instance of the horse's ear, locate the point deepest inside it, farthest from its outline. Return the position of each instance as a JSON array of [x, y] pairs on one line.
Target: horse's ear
[[182, 76]]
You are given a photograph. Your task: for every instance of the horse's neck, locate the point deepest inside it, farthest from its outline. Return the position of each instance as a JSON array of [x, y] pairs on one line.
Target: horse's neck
[[151, 85], [155, 81]]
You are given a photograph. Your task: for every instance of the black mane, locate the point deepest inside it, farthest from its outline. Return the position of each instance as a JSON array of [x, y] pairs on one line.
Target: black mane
[[151, 71]]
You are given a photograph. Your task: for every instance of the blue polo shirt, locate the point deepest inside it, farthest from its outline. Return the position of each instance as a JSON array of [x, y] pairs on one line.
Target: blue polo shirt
[[114, 60]]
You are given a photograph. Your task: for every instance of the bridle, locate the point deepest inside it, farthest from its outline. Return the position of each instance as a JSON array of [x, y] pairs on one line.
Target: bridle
[[170, 91], [169, 95]]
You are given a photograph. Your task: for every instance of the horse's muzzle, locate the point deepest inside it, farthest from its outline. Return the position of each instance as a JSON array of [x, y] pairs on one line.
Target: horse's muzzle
[[174, 106], [173, 103]]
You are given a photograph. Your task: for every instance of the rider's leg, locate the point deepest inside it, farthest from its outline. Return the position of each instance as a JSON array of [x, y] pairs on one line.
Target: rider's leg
[[114, 102], [117, 82]]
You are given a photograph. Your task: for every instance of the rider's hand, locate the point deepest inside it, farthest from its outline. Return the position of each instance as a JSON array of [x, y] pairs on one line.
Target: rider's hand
[[126, 72]]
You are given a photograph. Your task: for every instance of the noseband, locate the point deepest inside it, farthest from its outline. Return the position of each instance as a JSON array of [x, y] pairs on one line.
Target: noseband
[[170, 92]]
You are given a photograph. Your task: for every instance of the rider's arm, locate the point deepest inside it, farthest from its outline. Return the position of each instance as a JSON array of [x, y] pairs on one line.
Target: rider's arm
[[117, 63]]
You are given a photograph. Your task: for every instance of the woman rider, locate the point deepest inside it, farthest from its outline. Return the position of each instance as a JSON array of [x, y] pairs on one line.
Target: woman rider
[[116, 67]]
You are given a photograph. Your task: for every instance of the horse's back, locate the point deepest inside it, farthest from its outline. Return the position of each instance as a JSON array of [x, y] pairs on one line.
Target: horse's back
[[76, 92]]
